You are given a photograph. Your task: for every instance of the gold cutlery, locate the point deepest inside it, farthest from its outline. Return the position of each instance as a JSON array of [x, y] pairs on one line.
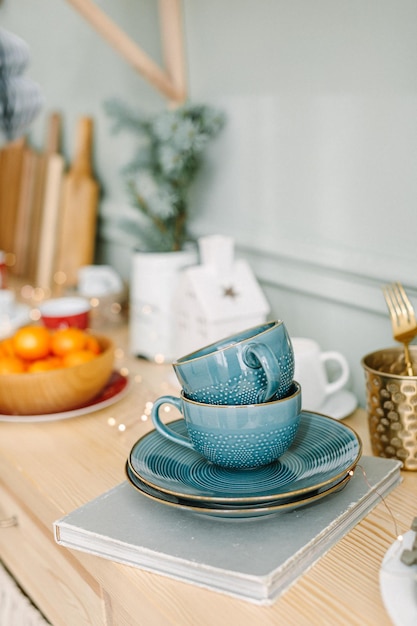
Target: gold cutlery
[[403, 319]]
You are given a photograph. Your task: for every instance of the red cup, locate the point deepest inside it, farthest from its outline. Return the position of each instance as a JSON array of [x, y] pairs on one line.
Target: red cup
[[65, 312]]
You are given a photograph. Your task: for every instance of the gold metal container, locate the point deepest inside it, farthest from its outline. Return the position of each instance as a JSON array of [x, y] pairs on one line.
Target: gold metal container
[[391, 398]]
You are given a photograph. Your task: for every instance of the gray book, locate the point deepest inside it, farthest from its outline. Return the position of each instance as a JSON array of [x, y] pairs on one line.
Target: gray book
[[254, 559]]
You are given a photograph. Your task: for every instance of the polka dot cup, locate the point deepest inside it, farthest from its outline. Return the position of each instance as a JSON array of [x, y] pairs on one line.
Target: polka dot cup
[[251, 366], [235, 436]]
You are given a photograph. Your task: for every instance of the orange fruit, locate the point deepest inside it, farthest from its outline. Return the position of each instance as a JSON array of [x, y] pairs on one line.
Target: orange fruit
[[31, 342], [93, 344], [11, 365], [44, 365], [66, 340], [6, 347], [77, 358]]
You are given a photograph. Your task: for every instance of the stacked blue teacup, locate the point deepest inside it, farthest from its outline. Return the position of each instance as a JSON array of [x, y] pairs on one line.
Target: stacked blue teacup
[[239, 401]]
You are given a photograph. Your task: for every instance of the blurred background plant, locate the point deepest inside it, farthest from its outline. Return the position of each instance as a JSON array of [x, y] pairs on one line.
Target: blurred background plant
[[20, 97], [159, 176]]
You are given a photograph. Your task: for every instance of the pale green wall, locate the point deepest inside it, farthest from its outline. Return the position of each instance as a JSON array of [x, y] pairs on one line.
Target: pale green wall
[[315, 174], [322, 140]]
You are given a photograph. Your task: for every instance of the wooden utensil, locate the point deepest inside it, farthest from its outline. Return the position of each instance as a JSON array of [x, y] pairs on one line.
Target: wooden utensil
[[52, 146], [78, 213]]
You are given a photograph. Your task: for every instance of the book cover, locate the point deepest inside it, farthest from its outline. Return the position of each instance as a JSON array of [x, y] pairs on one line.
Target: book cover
[[255, 559]]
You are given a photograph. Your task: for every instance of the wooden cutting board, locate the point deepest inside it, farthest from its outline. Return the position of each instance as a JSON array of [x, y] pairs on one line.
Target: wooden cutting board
[[23, 228], [2, 209], [50, 223], [10, 176], [52, 147], [78, 212]]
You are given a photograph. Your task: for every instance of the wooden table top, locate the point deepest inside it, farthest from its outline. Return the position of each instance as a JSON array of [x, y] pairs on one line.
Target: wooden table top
[[55, 467]]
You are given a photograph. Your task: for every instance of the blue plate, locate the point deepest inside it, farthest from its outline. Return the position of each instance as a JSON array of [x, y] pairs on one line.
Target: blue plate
[[231, 511], [323, 453]]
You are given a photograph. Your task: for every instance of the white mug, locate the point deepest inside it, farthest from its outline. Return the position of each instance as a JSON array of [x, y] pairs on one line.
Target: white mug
[[310, 371], [98, 280], [7, 302]]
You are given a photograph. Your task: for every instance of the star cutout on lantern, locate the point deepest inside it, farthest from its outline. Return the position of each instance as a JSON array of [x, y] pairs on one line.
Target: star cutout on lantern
[[229, 292]]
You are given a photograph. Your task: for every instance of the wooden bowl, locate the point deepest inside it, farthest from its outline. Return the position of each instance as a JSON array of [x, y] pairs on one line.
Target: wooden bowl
[[57, 390]]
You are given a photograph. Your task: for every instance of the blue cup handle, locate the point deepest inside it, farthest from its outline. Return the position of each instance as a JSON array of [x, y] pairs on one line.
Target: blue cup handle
[[259, 355], [164, 429]]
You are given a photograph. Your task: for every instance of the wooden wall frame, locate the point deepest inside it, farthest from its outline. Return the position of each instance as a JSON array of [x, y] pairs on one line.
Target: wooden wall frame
[[170, 81]]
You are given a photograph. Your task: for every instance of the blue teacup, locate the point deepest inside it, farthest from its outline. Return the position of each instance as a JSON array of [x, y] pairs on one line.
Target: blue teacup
[[251, 366], [235, 436]]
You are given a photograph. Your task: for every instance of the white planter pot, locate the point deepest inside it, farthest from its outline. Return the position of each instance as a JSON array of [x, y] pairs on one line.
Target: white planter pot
[[154, 279]]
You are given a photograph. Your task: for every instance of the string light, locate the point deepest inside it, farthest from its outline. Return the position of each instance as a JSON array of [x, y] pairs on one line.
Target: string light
[[26, 292], [119, 353], [60, 278], [35, 315], [407, 557], [116, 308], [365, 477]]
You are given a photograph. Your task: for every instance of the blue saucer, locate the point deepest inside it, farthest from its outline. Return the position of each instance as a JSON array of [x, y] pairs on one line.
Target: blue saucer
[[323, 454], [234, 510]]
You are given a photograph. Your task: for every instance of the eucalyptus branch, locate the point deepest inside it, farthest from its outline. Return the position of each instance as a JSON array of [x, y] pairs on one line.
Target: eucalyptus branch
[[163, 169], [143, 207]]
